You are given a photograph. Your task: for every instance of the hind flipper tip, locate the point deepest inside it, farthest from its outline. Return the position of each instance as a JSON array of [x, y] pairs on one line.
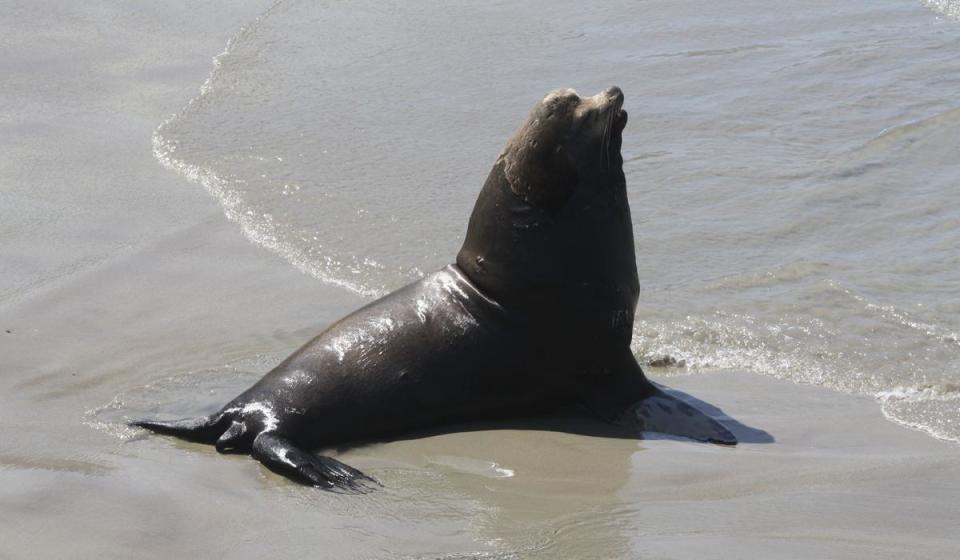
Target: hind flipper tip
[[192, 429], [330, 474], [152, 425], [283, 457], [351, 477]]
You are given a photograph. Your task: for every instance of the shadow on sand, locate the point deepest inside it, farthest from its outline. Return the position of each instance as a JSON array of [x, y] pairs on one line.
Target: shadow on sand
[[575, 419]]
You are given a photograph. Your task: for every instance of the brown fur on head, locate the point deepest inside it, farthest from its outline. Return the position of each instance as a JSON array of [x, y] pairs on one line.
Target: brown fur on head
[[564, 136]]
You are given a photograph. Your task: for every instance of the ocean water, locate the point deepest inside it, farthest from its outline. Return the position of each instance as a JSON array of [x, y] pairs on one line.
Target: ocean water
[[792, 167]]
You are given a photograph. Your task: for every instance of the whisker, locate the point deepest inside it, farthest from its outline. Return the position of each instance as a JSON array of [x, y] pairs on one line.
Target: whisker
[[605, 142], [603, 146]]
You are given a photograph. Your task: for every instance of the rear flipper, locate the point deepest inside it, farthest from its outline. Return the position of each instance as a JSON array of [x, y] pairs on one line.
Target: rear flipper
[[281, 456], [624, 396], [205, 429]]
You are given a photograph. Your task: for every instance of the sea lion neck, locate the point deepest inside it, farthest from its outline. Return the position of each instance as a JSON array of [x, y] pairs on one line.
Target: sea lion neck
[[525, 256]]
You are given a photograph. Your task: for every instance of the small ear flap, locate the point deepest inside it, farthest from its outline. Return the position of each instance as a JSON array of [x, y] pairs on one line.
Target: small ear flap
[[541, 174]]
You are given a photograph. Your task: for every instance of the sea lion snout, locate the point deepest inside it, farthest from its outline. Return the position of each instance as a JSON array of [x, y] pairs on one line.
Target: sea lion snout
[[614, 95], [607, 102]]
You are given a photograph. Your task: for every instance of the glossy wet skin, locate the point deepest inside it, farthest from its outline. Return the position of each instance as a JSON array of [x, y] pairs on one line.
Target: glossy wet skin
[[564, 137], [551, 230], [447, 346], [537, 311]]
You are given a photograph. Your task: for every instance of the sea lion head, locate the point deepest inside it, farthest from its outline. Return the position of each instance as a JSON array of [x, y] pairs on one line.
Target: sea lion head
[[552, 223], [565, 137]]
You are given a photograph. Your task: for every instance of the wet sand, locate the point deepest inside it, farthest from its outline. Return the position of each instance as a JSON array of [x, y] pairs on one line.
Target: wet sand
[[120, 275]]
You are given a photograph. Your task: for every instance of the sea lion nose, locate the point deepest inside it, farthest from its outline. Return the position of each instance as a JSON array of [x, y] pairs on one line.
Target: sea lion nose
[[614, 94]]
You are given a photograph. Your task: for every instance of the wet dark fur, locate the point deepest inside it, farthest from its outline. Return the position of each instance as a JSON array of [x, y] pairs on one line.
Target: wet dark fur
[[537, 311]]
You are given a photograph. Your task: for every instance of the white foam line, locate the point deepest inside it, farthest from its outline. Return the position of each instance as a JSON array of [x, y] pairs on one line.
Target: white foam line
[[918, 426], [949, 8], [259, 229], [737, 347]]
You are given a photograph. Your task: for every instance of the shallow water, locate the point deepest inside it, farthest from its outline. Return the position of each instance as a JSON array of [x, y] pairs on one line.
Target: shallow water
[[792, 168]]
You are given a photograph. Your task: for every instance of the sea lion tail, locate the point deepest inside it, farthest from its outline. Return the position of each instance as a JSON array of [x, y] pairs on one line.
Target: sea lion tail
[[205, 429]]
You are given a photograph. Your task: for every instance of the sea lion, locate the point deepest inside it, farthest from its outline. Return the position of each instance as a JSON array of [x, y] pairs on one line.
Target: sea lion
[[538, 310]]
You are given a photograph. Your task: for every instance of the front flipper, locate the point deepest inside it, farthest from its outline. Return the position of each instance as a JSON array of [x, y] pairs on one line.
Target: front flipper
[[281, 456], [624, 396], [666, 414]]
